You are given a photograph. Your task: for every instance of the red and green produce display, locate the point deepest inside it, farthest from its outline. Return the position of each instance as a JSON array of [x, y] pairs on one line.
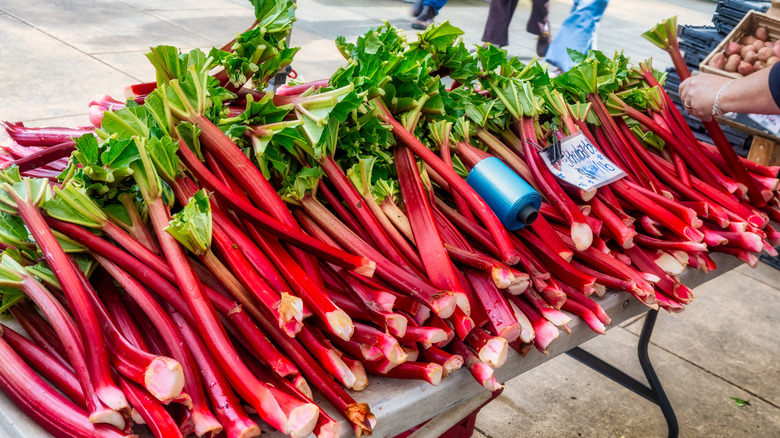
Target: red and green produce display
[[209, 249]]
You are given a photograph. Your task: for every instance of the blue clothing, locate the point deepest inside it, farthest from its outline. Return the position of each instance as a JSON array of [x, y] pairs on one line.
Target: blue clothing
[[577, 32], [774, 82], [435, 4]]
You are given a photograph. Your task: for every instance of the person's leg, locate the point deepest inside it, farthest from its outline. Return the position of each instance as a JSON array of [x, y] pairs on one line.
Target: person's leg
[[435, 4], [497, 25], [430, 9], [577, 32], [538, 21], [539, 25]]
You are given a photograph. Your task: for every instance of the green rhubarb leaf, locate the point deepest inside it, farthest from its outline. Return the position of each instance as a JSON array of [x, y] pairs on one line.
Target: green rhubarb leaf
[[192, 226], [384, 188], [13, 232], [87, 150], [491, 57], [261, 112], [305, 182], [163, 153], [190, 134], [578, 82], [43, 273], [437, 38], [118, 214], [32, 190], [664, 34], [11, 273], [129, 122], [276, 145], [360, 174], [71, 204]]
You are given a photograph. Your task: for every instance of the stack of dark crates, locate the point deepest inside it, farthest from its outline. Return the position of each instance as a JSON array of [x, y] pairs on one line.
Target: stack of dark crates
[[697, 42]]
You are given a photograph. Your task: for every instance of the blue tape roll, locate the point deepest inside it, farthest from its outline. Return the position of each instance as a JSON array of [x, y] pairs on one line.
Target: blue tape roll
[[512, 199]]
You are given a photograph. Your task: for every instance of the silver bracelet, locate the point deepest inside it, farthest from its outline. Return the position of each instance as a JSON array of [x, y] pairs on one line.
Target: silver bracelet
[[716, 112]]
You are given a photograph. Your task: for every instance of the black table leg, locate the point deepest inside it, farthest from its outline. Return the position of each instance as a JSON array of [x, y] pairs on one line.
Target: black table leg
[[655, 392]]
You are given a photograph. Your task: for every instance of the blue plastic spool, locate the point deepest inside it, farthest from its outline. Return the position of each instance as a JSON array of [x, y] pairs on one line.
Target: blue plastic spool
[[512, 199]]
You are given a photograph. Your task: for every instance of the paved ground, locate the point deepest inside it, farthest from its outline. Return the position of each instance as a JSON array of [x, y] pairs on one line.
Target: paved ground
[[55, 55]]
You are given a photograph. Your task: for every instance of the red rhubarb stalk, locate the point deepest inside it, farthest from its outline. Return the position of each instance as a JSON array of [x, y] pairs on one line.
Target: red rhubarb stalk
[[478, 205]]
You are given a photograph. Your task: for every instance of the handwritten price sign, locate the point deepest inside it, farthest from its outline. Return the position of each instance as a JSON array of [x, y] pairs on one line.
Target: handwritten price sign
[[581, 164]]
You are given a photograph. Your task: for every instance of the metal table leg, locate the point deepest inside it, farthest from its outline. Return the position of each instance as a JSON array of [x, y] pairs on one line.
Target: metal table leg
[[655, 392]]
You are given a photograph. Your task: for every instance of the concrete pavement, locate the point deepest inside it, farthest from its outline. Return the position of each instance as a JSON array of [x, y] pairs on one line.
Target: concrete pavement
[[55, 55]]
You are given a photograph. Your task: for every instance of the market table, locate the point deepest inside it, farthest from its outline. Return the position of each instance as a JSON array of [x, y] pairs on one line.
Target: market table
[[400, 405]]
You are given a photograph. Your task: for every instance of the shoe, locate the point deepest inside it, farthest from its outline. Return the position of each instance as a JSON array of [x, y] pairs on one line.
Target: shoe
[[417, 7], [425, 18], [542, 44]]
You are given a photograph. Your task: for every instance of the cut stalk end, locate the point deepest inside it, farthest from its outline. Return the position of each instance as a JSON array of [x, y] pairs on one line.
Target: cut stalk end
[[582, 235], [164, 379], [502, 277], [366, 268], [443, 304], [108, 416], [519, 287], [360, 415], [494, 352], [302, 420], [340, 324]]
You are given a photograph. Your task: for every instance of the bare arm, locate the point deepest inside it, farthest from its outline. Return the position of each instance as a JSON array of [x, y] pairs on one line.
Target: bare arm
[[749, 94]]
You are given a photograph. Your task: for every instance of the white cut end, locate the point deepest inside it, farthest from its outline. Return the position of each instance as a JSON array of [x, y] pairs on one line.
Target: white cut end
[[511, 332], [494, 352], [582, 235], [434, 372], [462, 301], [107, 416], [393, 352], [443, 305], [250, 432], [422, 315], [669, 264], [340, 369], [648, 277], [526, 328], [412, 354], [113, 397], [164, 379], [519, 287], [301, 421], [300, 382], [366, 269], [502, 277], [436, 336], [361, 378], [396, 324], [370, 352], [587, 195], [290, 308], [600, 289], [455, 362], [136, 416], [331, 429], [681, 257], [340, 324]]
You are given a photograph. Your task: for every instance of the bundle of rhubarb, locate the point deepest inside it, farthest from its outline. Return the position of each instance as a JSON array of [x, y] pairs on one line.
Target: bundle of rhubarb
[[209, 249]]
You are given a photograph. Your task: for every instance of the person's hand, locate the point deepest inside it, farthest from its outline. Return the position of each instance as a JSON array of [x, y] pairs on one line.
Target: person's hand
[[698, 94]]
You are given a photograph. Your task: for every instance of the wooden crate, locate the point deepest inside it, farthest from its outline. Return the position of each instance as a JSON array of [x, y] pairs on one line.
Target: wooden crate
[[747, 26]]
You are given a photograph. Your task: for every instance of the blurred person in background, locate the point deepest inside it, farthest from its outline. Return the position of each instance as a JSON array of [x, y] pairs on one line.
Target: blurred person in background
[[424, 11], [500, 15], [578, 32]]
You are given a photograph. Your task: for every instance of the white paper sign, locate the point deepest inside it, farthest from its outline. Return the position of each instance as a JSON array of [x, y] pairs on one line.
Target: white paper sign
[[581, 164], [769, 122]]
